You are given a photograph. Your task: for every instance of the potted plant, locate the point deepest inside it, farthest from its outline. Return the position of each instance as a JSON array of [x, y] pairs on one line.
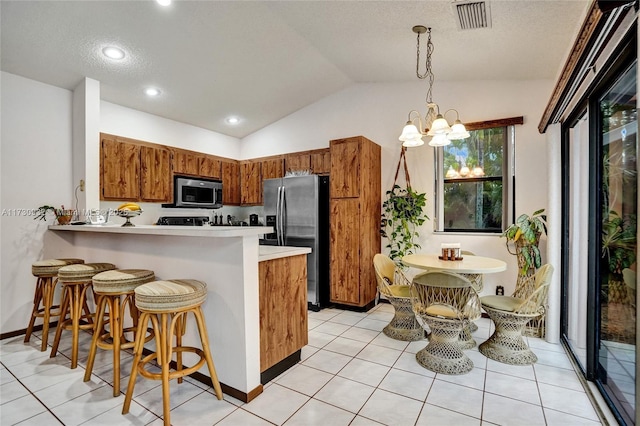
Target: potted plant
[[402, 214], [63, 216], [524, 234]]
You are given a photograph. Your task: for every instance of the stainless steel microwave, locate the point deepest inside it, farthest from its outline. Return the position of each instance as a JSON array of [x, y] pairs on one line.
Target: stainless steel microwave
[[196, 193]]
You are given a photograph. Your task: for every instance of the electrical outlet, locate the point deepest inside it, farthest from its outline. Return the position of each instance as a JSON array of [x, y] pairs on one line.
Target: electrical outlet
[[81, 184]]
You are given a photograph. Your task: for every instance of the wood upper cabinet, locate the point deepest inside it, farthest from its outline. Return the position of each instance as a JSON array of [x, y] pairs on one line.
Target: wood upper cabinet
[[345, 168], [321, 162], [294, 162], [355, 191], [155, 174], [186, 162], [272, 168], [119, 169], [230, 183], [210, 166], [250, 183]]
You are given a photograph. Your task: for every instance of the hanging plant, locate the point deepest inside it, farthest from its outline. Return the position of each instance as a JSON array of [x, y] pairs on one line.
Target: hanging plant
[[402, 214]]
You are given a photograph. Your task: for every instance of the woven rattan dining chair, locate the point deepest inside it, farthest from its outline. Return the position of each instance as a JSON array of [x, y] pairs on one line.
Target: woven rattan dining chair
[[511, 314], [396, 288], [477, 282], [446, 302]]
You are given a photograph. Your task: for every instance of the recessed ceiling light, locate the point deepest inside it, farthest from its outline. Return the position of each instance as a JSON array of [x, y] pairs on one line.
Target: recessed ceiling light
[[152, 91], [232, 120], [113, 52], [164, 2]]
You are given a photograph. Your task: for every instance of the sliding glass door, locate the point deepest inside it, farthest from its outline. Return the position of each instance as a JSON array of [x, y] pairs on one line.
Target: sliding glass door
[[618, 203]]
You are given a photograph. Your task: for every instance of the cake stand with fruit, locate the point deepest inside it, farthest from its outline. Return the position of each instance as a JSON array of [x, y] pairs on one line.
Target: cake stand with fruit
[[128, 210]]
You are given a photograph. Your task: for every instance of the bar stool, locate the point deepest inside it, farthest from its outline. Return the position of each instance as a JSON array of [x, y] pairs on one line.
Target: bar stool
[[46, 272], [109, 287], [76, 280], [166, 304]]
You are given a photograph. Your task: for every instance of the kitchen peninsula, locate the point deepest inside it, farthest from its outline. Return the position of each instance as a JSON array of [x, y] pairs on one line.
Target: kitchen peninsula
[[256, 309]]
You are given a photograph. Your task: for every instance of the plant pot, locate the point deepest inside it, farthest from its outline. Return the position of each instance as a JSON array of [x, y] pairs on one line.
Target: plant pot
[[64, 217]]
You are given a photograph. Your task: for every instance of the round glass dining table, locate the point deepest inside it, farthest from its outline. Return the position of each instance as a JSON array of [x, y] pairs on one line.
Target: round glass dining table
[[468, 265]]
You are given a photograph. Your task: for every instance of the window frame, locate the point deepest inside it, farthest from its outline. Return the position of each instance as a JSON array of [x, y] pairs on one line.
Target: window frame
[[508, 179]]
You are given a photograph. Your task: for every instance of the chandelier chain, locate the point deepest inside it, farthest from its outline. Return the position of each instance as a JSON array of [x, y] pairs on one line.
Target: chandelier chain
[[428, 73]]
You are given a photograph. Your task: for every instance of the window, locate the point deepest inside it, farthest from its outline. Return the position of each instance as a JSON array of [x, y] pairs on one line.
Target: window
[[474, 176]]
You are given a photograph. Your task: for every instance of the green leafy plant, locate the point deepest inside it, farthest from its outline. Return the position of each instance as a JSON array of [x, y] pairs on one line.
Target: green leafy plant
[[63, 216], [402, 214], [619, 241], [525, 235]]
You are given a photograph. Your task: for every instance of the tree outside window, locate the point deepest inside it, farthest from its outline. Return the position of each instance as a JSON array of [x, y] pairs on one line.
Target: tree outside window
[[473, 182]]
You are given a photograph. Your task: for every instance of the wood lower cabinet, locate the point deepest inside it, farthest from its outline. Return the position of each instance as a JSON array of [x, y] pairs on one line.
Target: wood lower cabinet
[[251, 183], [345, 250], [119, 169], [230, 183], [283, 308], [355, 192], [155, 175]]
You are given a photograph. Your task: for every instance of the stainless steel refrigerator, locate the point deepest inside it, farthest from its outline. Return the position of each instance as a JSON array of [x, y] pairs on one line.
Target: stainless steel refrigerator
[[298, 209]]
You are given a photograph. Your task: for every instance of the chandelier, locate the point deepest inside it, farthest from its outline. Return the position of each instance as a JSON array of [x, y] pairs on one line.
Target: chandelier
[[435, 123]]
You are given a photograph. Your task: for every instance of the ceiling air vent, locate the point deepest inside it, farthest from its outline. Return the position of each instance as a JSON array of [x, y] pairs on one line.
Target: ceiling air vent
[[472, 14]]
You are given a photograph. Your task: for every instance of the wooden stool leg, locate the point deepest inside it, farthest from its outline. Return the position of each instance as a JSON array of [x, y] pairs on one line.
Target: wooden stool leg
[[64, 309], [181, 324], [47, 301], [76, 312], [143, 320], [115, 326], [163, 349], [102, 302], [202, 329], [37, 298]]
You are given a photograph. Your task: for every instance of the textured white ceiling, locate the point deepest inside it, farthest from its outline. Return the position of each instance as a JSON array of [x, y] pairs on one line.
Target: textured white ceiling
[[264, 60]]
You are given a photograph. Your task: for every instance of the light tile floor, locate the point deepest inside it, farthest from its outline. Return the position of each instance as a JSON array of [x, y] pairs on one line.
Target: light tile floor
[[351, 374]]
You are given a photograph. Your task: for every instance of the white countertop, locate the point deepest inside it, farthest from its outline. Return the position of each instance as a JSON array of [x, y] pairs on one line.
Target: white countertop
[[277, 252], [184, 231]]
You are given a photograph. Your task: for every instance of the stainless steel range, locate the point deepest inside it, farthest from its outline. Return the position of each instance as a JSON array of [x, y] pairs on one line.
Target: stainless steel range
[[183, 220]]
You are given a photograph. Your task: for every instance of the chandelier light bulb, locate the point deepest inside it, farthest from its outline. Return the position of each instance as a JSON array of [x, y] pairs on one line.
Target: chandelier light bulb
[[451, 173], [464, 171], [439, 140]]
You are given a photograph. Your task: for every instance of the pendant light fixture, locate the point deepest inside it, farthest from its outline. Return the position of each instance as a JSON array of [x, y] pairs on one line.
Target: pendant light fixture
[[435, 124]]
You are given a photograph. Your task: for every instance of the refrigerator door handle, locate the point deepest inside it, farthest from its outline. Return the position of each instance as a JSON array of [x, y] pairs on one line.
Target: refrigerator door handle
[[283, 215], [278, 216]]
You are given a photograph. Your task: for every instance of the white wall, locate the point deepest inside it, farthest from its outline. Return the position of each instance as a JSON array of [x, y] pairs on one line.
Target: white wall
[[379, 111], [35, 152]]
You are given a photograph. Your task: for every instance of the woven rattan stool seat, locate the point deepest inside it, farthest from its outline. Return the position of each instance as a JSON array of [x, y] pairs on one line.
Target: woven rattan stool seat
[[82, 272], [170, 295], [121, 280], [50, 267]]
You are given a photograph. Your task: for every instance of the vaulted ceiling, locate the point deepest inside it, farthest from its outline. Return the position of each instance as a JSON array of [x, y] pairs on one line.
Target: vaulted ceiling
[[263, 60]]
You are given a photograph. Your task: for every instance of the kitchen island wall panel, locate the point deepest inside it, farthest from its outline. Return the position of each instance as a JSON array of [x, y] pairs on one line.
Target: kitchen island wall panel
[[226, 261]]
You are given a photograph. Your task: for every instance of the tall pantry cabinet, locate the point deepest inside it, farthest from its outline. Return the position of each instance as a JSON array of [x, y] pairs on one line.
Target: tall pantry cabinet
[[355, 194]]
